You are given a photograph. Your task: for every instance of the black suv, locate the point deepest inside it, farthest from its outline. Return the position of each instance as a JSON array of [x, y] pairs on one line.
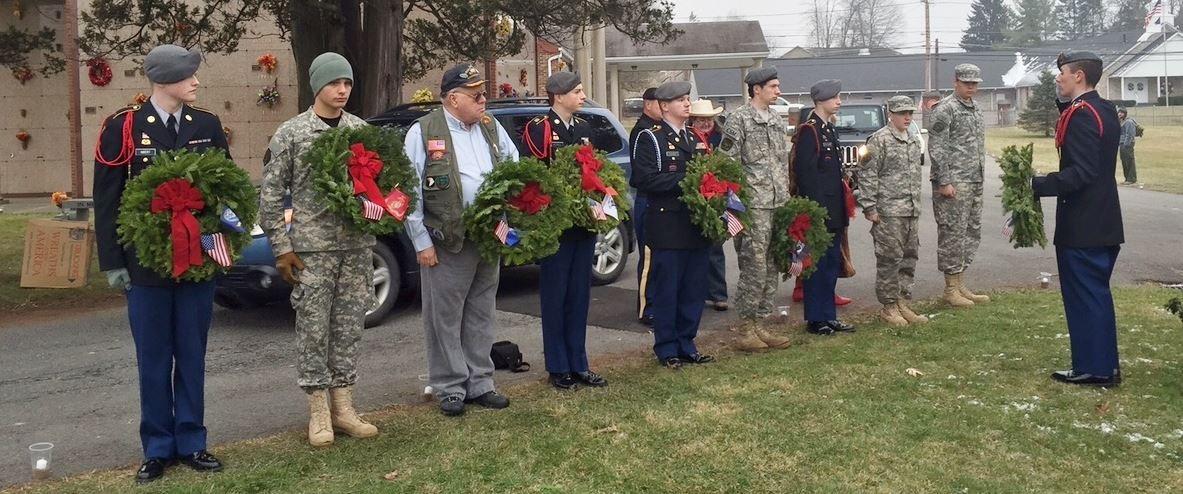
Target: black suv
[[255, 281], [855, 124]]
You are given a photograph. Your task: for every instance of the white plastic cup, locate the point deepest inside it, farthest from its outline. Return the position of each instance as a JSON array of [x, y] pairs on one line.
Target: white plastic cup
[[782, 314], [40, 460]]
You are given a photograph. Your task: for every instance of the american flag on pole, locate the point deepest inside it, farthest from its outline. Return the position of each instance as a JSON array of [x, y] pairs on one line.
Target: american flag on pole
[[597, 210], [214, 245], [733, 224], [502, 230], [1155, 14], [371, 211]]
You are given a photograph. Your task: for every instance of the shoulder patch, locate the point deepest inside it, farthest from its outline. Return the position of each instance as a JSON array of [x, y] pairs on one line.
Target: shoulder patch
[[938, 127], [726, 144], [538, 119]]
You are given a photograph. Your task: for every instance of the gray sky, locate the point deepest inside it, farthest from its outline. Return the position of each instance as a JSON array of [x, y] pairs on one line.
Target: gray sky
[[787, 23]]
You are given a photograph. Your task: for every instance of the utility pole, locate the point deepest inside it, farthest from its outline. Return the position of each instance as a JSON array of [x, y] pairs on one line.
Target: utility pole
[[927, 50], [70, 17], [937, 64]]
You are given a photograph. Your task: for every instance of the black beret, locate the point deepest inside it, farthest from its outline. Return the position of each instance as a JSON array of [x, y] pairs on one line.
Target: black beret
[[562, 82], [826, 89], [649, 94], [672, 90], [1076, 56], [760, 76], [462, 75]]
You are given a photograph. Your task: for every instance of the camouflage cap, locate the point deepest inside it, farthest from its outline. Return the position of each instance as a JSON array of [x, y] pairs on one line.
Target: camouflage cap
[[462, 75], [968, 72], [167, 64], [900, 104], [672, 90], [826, 89]]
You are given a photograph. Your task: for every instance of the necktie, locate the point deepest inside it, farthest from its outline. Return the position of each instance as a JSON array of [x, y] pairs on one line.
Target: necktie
[[172, 125], [685, 138]]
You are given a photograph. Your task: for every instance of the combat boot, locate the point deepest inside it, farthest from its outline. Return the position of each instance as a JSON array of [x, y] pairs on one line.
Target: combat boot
[[320, 426], [772, 340], [953, 295], [747, 340], [345, 418], [890, 313], [909, 315], [975, 298]]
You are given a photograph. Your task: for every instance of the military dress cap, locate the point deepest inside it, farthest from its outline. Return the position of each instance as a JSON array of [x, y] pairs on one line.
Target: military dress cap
[[167, 64], [1076, 56], [967, 72], [760, 76], [672, 90], [649, 94], [462, 75], [901, 103], [825, 89], [562, 83]]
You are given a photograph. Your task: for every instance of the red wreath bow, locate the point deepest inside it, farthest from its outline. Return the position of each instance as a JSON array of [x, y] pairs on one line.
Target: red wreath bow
[[590, 167], [712, 187], [364, 167], [180, 197], [530, 200], [799, 227]]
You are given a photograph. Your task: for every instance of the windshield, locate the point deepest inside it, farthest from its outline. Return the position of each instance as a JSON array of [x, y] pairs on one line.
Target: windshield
[[869, 118]]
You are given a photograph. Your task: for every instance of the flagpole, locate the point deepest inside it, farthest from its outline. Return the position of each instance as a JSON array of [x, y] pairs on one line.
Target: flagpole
[[1166, 76]]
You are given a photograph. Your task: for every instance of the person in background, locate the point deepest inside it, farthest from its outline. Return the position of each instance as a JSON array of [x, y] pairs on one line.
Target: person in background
[[1129, 133], [650, 116], [705, 126]]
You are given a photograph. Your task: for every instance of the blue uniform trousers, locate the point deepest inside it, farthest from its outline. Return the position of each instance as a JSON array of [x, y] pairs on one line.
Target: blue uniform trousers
[[565, 289], [644, 296], [170, 325], [1088, 307], [678, 284], [717, 275], [819, 287]]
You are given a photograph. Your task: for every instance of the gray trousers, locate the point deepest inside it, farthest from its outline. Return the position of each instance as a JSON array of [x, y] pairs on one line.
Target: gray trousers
[[459, 322]]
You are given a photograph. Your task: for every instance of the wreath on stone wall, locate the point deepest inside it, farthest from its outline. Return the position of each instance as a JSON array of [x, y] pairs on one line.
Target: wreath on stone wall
[[519, 212], [363, 174], [99, 71], [184, 214], [798, 235], [594, 184], [1018, 198], [715, 191]]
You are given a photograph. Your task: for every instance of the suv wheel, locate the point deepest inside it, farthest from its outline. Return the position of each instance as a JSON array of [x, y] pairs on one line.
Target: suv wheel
[[385, 283], [610, 256]]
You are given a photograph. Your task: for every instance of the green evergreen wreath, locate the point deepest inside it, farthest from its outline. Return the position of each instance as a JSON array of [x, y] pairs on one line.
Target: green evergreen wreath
[[222, 184], [537, 234], [817, 238], [1019, 199], [568, 164], [707, 213], [329, 158]]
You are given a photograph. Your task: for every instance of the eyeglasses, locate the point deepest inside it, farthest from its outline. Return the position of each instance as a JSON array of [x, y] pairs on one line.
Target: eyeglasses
[[475, 97]]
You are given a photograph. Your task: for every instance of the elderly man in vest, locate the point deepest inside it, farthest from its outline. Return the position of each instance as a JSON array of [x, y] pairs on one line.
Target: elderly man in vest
[[452, 148]]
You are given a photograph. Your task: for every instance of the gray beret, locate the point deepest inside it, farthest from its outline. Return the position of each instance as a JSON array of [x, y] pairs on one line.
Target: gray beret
[[1076, 56], [672, 90], [760, 76], [167, 64], [562, 82], [900, 103], [825, 90]]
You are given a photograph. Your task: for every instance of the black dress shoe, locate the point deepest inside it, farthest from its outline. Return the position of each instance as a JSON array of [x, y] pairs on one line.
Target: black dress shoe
[[490, 400], [672, 363], [563, 380], [696, 358], [591, 379], [1071, 377], [151, 469], [202, 461], [452, 406], [820, 328], [646, 320], [837, 325]]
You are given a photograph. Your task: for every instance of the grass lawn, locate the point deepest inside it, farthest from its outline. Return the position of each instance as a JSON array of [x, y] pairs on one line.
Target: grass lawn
[[13, 298], [836, 414], [1156, 153]]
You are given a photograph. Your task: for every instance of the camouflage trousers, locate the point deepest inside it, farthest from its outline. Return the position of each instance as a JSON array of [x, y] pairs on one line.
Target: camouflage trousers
[[758, 274], [959, 226], [897, 247], [331, 300]]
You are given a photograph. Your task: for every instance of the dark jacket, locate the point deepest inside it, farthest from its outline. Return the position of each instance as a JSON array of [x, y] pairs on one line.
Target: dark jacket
[[660, 157], [543, 136], [199, 130], [1088, 213], [819, 170]]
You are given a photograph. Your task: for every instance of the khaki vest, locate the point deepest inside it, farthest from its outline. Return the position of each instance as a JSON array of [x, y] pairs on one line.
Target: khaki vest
[[443, 204]]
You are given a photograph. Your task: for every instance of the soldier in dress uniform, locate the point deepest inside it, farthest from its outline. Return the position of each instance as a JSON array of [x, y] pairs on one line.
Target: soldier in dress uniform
[[650, 116], [1089, 229], [169, 319], [678, 259], [818, 170], [565, 283]]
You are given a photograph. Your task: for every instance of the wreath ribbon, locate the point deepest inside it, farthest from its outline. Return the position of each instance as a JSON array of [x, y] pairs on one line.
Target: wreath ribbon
[[589, 168], [530, 200], [180, 197], [364, 168], [712, 187]]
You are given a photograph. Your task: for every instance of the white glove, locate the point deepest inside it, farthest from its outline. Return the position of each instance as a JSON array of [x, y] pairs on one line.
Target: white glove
[[118, 278]]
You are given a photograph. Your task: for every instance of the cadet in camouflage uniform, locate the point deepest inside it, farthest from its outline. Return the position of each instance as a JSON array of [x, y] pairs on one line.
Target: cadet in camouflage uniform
[[327, 261], [957, 142], [756, 136], [890, 199]]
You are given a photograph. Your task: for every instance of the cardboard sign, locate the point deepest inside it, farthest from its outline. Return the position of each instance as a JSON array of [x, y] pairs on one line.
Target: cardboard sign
[[57, 254]]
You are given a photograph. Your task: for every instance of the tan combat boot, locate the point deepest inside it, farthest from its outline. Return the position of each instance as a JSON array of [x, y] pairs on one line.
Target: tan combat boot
[[890, 313], [909, 315], [953, 294], [345, 418], [975, 298], [320, 426], [772, 340], [747, 340]]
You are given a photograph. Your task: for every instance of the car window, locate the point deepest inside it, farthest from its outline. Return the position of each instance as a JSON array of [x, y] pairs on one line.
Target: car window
[[604, 135], [514, 125]]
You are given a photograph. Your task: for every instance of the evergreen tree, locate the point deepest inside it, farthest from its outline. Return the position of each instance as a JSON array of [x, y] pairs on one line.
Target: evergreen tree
[[1078, 19], [989, 20], [1032, 24], [1041, 113], [1131, 16]]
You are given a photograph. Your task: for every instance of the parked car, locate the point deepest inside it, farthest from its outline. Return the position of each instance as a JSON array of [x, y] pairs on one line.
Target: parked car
[[253, 280], [854, 124]]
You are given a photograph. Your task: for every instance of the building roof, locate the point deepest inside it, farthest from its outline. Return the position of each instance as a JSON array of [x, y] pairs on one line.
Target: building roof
[[702, 45], [1111, 47], [813, 52]]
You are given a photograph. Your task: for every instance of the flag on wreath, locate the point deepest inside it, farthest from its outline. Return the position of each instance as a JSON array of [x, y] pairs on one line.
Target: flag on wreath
[[371, 211], [597, 210], [214, 245], [733, 224], [504, 233]]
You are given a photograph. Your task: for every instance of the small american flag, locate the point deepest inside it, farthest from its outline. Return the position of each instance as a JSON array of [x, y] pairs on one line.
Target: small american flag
[[502, 230], [371, 211], [214, 245], [1155, 12], [733, 224], [597, 210]]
